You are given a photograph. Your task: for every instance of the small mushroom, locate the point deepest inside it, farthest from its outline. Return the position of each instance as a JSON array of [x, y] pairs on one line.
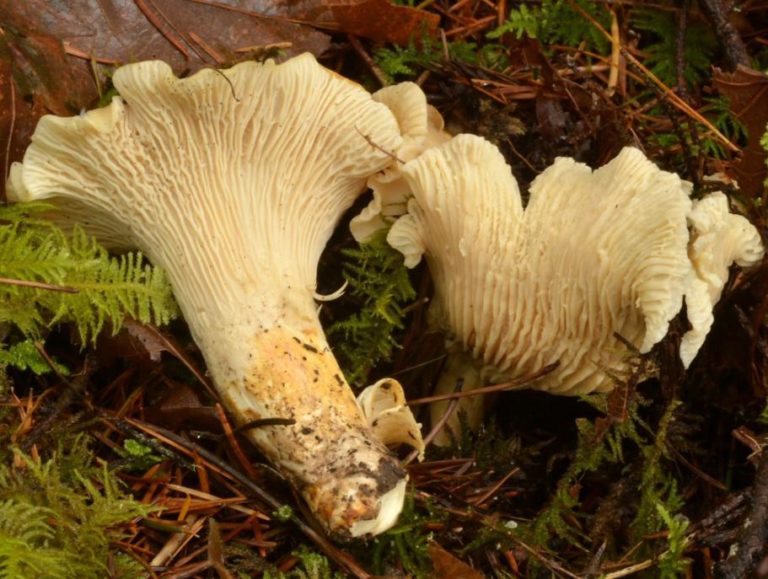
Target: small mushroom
[[422, 128], [383, 404], [233, 181], [594, 254]]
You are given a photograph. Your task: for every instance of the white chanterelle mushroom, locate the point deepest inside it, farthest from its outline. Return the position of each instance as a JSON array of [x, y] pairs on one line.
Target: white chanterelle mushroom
[[594, 254], [233, 182]]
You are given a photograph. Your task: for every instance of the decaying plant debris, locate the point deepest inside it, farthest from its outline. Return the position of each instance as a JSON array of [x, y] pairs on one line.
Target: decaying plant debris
[[661, 477]]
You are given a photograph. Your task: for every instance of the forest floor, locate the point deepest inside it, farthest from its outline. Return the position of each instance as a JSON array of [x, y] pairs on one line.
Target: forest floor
[[664, 477]]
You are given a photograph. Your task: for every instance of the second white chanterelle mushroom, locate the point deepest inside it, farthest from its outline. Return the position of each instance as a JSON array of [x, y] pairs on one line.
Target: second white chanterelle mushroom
[[596, 253], [233, 181]]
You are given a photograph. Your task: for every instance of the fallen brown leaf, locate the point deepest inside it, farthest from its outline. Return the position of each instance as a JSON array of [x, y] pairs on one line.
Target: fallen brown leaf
[[155, 342], [32, 84], [446, 565], [382, 21], [179, 406], [747, 91], [130, 30]]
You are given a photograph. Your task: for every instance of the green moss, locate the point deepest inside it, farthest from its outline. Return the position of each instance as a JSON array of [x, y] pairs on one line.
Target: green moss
[[405, 546], [672, 563], [59, 516], [380, 286], [311, 565], [24, 355], [398, 63]]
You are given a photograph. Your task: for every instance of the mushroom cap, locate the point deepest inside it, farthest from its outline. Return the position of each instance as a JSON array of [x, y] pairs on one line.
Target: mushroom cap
[[167, 143], [383, 405], [594, 254], [233, 181]]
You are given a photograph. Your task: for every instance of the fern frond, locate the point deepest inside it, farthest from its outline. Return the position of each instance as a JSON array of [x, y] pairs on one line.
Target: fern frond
[[660, 48], [96, 288], [397, 62], [672, 563], [25, 356], [557, 22], [656, 487], [24, 522], [600, 442]]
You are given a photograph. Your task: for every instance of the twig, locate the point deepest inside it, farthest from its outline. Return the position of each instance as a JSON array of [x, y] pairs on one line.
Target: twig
[[682, 32], [192, 525], [752, 544], [551, 565], [478, 501], [378, 147], [76, 52], [216, 550], [73, 389], [691, 160], [234, 445], [516, 383], [12, 124], [436, 428], [710, 480], [631, 570], [210, 50], [262, 422], [169, 345], [157, 22], [417, 366], [613, 74], [735, 51], [329, 26], [39, 285], [362, 53]]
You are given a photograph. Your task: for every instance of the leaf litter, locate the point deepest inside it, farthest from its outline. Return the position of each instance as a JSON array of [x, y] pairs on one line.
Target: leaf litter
[[550, 486]]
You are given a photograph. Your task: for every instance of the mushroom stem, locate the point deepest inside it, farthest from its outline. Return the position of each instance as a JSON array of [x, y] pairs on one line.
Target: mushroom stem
[[348, 478], [462, 369]]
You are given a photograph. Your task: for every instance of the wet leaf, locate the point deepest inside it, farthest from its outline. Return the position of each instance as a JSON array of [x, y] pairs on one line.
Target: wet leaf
[[382, 21], [30, 86], [446, 565], [747, 91], [155, 342], [179, 32], [152, 340], [179, 406]]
